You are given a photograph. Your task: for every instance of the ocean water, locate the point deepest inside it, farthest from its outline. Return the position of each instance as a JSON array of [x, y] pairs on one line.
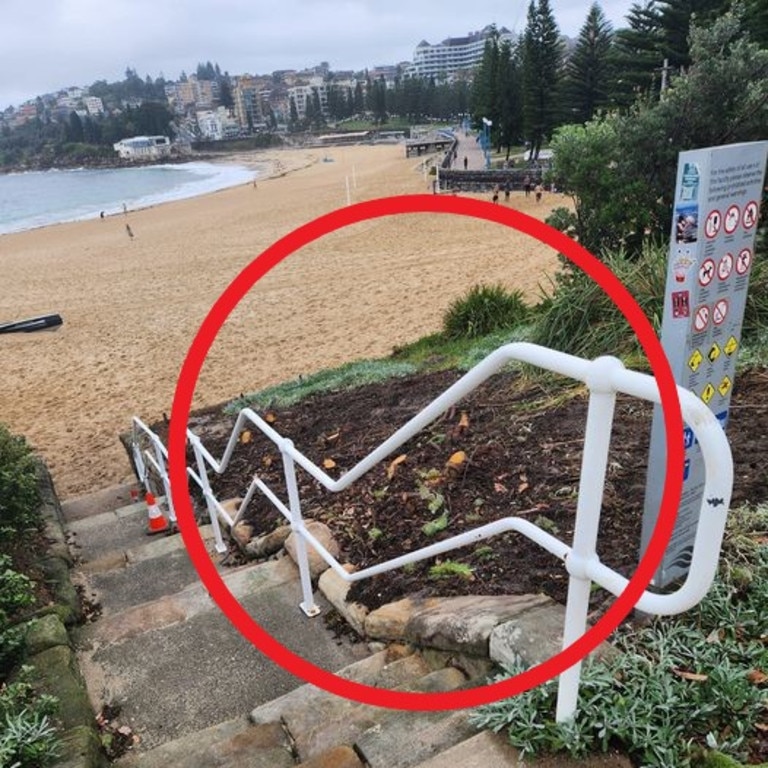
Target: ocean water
[[39, 198]]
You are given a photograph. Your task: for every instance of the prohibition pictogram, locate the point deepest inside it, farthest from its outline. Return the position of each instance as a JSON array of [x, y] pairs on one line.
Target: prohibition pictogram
[[720, 312], [701, 318], [732, 216], [725, 267], [749, 218], [744, 261], [706, 272], [712, 224]]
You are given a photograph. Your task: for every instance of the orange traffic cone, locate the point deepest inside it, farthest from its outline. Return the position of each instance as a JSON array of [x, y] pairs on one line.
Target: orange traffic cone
[[157, 523]]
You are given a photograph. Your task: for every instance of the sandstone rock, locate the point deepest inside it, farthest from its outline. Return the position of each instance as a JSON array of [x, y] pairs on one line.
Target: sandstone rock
[[465, 623], [338, 757], [242, 533], [335, 590], [44, 633], [323, 534], [267, 545]]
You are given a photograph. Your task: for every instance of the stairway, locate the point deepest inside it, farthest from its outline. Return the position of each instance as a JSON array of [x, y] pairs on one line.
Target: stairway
[[196, 694]]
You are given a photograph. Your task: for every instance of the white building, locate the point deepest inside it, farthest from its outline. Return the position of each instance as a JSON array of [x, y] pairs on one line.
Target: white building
[[143, 147], [301, 95], [94, 105], [454, 54], [217, 124]]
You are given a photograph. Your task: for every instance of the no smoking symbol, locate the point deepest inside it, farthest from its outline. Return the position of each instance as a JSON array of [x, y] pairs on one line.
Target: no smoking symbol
[[720, 312]]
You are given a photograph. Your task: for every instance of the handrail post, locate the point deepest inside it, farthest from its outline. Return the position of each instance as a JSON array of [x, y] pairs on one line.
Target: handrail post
[[308, 604], [594, 463], [160, 458], [213, 514]]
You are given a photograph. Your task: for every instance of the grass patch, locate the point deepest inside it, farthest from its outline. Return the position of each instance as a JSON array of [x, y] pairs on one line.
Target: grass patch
[[484, 309], [685, 690]]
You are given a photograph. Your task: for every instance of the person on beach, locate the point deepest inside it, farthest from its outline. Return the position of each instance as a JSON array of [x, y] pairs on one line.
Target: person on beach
[[538, 190], [506, 191], [527, 186], [496, 194], [466, 161]]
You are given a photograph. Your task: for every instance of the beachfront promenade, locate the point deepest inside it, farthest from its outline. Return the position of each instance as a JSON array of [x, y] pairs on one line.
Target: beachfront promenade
[[470, 148]]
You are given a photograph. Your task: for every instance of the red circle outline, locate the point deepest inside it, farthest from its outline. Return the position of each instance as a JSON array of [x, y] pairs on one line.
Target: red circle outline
[[182, 401]]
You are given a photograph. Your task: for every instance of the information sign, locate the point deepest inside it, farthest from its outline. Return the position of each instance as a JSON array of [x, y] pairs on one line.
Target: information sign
[[710, 258]]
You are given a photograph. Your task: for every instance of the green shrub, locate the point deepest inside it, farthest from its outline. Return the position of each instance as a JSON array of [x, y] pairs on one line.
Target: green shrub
[[27, 736], [483, 310], [19, 492], [682, 687], [578, 317]]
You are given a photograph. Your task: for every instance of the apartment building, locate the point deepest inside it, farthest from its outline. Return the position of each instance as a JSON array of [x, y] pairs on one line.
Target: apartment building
[[454, 55]]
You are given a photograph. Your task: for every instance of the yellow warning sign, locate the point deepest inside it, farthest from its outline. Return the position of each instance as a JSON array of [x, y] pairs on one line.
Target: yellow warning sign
[[714, 353], [725, 386], [730, 346], [695, 360], [708, 393]]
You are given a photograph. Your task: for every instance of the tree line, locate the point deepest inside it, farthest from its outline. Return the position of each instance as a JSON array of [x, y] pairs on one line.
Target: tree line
[[530, 87]]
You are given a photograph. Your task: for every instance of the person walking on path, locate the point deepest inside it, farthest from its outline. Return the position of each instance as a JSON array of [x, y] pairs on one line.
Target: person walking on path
[[527, 186], [538, 190]]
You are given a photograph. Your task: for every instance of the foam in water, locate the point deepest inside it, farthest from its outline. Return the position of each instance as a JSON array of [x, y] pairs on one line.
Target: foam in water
[[40, 198]]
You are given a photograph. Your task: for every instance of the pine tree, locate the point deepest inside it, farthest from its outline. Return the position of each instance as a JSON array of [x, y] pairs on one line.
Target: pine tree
[[542, 58], [588, 72], [636, 56]]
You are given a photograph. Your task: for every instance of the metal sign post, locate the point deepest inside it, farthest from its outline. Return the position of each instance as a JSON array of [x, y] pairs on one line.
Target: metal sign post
[[717, 198]]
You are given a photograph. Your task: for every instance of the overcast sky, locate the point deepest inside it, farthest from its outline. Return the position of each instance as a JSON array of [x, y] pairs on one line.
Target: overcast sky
[[46, 45]]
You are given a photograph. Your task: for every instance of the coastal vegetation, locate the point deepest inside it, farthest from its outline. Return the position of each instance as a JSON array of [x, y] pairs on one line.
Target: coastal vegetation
[[27, 732]]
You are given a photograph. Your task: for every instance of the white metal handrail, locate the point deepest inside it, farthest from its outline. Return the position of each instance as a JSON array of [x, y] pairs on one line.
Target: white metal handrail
[[605, 377]]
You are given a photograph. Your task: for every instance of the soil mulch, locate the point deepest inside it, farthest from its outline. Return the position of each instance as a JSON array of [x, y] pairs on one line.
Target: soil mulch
[[507, 450]]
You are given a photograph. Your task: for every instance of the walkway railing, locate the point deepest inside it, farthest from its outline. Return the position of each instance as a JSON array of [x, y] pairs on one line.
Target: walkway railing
[[605, 377]]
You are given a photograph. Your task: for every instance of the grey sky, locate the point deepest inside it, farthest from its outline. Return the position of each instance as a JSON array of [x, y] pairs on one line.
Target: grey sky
[[46, 45]]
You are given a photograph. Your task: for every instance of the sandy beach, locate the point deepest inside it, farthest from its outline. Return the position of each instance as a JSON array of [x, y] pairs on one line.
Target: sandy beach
[[131, 306]]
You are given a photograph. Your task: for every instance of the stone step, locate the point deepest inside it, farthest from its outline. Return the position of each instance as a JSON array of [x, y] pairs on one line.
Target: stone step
[[104, 500], [176, 664], [319, 721], [236, 743], [404, 739], [242, 743], [161, 566]]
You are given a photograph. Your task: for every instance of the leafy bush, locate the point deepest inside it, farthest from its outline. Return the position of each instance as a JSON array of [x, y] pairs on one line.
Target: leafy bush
[[27, 740], [483, 310], [19, 493], [27, 736], [15, 592], [681, 687], [578, 317]]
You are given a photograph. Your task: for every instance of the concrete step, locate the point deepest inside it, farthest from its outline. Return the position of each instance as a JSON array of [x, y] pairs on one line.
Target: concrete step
[[176, 664], [281, 735], [105, 500]]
